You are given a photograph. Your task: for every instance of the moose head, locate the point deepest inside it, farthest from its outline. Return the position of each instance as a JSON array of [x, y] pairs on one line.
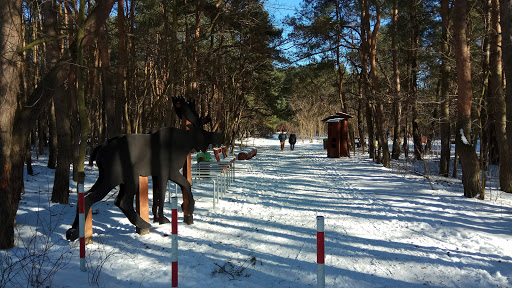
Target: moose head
[[187, 109]]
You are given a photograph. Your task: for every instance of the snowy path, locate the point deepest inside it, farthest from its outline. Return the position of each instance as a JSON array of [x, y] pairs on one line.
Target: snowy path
[[382, 230]]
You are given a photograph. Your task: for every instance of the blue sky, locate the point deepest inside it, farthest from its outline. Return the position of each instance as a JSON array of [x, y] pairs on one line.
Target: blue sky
[[279, 9]]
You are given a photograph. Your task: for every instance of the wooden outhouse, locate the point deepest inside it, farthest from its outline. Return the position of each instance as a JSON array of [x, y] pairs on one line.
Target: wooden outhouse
[[337, 135]]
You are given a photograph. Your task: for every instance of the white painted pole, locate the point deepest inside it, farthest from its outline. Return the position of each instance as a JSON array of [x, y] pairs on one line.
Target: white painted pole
[[174, 239], [214, 192], [320, 254]]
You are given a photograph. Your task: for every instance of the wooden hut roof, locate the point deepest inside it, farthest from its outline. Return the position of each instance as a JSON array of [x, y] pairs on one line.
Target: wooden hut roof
[[337, 117]]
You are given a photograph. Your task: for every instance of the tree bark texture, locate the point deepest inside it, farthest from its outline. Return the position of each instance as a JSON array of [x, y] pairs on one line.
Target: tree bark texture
[[81, 79], [497, 98], [378, 97], [414, 39], [109, 115], [60, 193], [10, 42], [52, 133], [52, 56], [444, 164], [365, 51], [469, 160], [121, 99], [397, 104], [507, 68]]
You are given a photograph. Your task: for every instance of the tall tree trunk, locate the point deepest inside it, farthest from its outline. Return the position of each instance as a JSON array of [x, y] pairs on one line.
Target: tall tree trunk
[[360, 124], [72, 92], [52, 130], [379, 98], [397, 101], [406, 138], [444, 164], [28, 156], [82, 110], [121, 101], [60, 192], [340, 72], [171, 116], [371, 133], [365, 28], [482, 107], [41, 135], [109, 115], [416, 136], [194, 81], [23, 95], [466, 151], [10, 29], [59, 109], [50, 33], [132, 107], [75, 121], [507, 67], [497, 99]]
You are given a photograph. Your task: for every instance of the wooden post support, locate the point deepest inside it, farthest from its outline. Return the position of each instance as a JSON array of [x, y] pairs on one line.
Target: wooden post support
[[187, 168], [88, 228], [187, 173], [142, 203], [87, 225]]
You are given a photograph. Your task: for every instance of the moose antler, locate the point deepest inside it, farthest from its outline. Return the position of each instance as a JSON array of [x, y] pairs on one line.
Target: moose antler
[[177, 103], [186, 109], [205, 120]]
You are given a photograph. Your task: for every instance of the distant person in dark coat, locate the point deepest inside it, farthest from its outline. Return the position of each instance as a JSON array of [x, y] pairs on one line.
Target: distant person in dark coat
[[292, 140], [282, 139]]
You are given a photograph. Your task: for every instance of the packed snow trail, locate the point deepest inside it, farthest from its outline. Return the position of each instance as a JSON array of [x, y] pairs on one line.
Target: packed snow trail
[[381, 230]]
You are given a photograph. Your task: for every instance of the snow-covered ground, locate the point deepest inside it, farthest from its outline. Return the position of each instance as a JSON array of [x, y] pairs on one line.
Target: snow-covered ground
[[382, 229]]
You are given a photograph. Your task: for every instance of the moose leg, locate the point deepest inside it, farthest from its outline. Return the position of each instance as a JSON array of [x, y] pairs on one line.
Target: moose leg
[[188, 204], [156, 199], [188, 199], [72, 233], [125, 203], [97, 192], [159, 186], [120, 195]]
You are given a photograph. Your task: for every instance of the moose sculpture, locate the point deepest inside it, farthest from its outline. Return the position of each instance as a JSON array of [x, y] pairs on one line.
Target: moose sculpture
[[122, 159]]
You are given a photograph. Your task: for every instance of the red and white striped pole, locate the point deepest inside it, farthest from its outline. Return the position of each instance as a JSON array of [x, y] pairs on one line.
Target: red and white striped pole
[[320, 252], [81, 224], [174, 239]]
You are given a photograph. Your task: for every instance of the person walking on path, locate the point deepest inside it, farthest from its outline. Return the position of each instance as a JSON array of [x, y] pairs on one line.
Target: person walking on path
[[282, 139], [292, 140]]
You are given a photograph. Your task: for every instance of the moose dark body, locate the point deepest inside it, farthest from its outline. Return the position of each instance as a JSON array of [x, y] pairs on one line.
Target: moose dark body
[[122, 159]]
